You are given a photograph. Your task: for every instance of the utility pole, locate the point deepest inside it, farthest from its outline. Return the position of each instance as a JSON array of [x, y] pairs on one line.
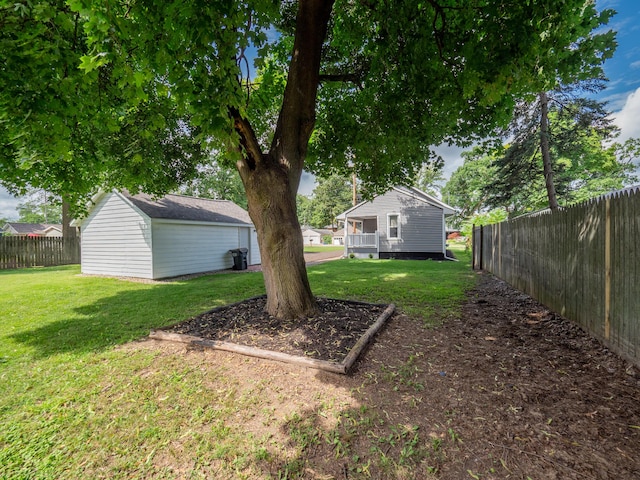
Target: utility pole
[[354, 198]]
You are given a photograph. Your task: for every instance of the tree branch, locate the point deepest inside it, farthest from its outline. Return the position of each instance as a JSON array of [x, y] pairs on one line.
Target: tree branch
[[438, 32], [248, 139], [340, 77], [297, 115]]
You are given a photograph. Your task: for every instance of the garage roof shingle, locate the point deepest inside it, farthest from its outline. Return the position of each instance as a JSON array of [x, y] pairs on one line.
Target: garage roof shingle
[[180, 207]]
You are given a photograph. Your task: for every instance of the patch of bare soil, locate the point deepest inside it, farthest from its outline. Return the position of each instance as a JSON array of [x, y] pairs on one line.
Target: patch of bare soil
[[329, 335], [525, 392], [508, 390]]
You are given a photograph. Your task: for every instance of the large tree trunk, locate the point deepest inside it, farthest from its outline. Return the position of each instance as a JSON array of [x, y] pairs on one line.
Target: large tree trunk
[[271, 179], [546, 153], [67, 230], [68, 235], [281, 246]]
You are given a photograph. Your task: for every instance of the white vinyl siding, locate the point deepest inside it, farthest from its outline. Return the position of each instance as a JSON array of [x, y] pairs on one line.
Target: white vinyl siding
[[180, 249], [243, 238], [422, 230], [254, 248], [116, 240], [309, 237], [248, 238]]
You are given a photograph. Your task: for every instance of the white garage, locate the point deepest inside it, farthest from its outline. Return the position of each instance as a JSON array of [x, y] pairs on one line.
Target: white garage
[[137, 236]]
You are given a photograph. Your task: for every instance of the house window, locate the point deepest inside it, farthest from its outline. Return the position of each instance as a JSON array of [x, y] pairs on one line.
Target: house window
[[393, 225]]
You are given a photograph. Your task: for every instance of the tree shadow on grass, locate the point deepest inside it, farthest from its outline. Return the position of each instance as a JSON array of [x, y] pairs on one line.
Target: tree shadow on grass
[[130, 314]]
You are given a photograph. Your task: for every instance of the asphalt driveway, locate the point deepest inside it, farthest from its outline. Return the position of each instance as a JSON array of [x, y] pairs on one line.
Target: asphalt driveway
[[318, 257]]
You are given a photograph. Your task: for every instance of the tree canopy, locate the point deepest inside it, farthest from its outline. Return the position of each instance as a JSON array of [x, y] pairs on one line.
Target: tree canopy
[[217, 181], [133, 94], [585, 165], [115, 92], [71, 130], [561, 137], [430, 177], [451, 85], [466, 189], [583, 158]]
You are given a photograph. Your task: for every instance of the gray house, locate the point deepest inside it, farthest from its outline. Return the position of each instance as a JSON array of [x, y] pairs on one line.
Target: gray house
[[404, 223], [139, 236]]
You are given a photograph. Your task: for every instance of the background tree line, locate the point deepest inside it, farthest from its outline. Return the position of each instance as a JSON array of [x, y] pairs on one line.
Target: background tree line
[[560, 148]]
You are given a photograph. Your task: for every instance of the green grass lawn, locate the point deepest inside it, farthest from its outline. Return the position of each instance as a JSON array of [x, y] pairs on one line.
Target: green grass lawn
[[73, 404]]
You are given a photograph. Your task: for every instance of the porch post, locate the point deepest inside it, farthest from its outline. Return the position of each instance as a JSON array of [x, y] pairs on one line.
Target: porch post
[[346, 236]]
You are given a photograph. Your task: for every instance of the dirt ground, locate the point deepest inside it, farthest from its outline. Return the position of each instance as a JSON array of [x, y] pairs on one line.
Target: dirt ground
[[530, 394], [509, 390]]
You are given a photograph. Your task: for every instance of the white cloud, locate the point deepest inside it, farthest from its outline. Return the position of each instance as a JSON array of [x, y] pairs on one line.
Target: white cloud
[[8, 205], [307, 184], [635, 64], [452, 158], [628, 117], [616, 101]]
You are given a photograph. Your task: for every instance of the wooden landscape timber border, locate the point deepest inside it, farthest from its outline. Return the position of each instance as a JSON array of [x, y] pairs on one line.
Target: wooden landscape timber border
[[328, 366]]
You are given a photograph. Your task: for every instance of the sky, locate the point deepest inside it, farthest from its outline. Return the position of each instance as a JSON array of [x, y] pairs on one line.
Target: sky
[[622, 93], [622, 70]]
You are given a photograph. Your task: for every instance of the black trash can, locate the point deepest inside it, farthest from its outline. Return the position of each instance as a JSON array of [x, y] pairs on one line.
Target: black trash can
[[239, 258]]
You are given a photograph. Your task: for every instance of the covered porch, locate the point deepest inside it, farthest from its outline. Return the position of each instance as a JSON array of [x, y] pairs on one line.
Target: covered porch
[[362, 238]]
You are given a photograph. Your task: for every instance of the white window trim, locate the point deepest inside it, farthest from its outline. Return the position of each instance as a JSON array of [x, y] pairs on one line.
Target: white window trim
[[389, 215]]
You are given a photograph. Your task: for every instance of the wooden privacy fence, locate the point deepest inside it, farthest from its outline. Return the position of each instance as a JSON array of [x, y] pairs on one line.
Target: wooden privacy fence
[[23, 252], [582, 262]]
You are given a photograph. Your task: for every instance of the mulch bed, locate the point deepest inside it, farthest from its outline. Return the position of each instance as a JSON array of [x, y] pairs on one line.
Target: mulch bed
[[328, 336]]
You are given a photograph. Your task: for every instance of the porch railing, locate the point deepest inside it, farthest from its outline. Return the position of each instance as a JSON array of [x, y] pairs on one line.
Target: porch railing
[[365, 240]]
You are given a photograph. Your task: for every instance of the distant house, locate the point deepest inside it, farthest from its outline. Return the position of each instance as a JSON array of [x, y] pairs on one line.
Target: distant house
[[403, 223], [338, 237], [316, 236], [138, 236], [32, 229]]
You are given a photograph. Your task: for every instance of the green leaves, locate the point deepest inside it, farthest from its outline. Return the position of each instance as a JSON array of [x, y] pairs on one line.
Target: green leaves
[[72, 120], [89, 88], [89, 63], [583, 164], [444, 71], [331, 197]]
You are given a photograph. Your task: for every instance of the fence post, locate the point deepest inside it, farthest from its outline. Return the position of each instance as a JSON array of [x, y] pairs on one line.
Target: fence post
[[607, 269], [481, 247], [473, 246]]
